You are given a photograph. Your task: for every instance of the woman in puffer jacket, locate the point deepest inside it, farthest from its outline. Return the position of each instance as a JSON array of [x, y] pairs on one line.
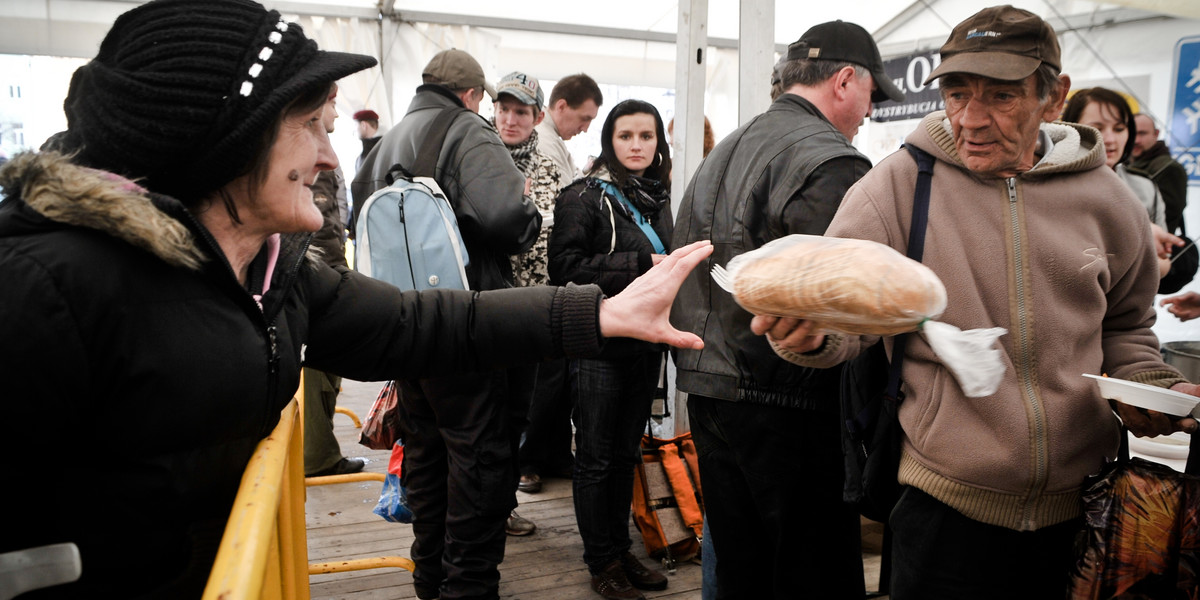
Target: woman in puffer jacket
[[610, 227]]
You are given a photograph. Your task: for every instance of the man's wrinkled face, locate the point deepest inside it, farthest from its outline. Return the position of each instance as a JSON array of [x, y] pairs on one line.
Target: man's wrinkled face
[[995, 123]]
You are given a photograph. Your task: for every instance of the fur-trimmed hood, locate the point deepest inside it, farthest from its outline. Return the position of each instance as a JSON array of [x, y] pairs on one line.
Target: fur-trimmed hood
[[73, 195], [63, 192]]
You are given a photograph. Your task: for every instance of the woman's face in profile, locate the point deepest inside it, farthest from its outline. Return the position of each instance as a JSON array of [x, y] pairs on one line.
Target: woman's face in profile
[[285, 200]]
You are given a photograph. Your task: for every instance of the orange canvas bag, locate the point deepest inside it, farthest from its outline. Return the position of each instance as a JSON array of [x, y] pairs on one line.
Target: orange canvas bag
[[668, 505]]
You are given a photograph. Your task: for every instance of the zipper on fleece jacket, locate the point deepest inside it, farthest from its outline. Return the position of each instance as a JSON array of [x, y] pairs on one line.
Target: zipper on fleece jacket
[[1024, 363]]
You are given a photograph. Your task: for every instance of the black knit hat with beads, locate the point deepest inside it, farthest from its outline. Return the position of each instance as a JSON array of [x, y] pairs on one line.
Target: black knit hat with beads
[[182, 90]]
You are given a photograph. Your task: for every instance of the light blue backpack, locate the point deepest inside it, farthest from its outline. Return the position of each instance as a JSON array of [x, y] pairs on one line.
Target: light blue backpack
[[407, 233]]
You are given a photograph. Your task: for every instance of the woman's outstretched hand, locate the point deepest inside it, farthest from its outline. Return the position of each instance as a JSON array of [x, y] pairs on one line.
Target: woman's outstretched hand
[[643, 309]]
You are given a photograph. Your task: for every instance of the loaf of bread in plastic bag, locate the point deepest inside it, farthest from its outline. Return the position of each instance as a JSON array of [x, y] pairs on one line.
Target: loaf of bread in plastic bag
[[853, 286]]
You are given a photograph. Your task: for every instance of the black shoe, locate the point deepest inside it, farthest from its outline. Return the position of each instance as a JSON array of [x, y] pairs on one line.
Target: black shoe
[[612, 584], [344, 466], [640, 576]]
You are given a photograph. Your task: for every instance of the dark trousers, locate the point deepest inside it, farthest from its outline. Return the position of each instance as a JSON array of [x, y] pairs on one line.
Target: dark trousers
[[460, 448], [321, 449], [772, 481], [939, 554], [546, 447], [612, 404]]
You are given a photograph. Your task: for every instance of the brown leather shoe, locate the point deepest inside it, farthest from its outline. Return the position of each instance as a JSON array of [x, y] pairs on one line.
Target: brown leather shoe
[[518, 525], [640, 576], [530, 484], [612, 584]]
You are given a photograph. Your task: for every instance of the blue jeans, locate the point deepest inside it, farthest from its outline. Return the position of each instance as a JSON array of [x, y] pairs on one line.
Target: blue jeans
[[612, 403], [708, 566]]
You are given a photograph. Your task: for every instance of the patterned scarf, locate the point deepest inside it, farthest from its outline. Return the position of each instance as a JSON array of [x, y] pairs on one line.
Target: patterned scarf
[[522, 154], [648, 195]]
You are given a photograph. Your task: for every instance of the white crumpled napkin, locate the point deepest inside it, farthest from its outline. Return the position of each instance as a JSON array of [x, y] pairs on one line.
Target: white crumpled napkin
[[971, 356]]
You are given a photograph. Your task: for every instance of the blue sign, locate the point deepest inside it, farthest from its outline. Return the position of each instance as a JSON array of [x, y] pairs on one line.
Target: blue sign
[[1183, 128]]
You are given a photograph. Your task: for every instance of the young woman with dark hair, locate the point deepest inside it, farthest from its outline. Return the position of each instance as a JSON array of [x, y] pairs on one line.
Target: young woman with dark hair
[[1109, 113], [611, 226]]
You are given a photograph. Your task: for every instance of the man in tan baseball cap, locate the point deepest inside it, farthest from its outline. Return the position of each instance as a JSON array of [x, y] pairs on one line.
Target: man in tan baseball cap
[[990, 502], [461, 73], [464, 505]]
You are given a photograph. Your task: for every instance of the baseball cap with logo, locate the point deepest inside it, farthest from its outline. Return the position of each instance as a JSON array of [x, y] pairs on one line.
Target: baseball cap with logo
[[524, 88], [456, 70], [1000, 42], [839, 40]]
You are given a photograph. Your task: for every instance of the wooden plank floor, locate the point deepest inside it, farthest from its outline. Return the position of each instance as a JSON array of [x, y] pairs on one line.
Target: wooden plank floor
[[547, 565]]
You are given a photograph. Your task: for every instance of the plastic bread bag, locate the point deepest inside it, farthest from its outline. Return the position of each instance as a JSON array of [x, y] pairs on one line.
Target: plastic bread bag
[[860, 287]]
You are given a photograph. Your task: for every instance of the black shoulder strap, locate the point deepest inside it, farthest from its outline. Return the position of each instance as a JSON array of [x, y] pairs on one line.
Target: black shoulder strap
[[916, 249], [431, 147]]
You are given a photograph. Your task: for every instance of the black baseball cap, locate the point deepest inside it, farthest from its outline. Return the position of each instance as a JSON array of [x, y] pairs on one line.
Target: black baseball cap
[[839, 40]]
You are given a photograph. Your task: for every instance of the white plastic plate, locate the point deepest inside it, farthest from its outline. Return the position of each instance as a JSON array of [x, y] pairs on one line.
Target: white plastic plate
[[1147, 396]]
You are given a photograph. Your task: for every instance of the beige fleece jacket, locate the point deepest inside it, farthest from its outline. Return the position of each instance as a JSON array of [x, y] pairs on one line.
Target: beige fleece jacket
[[1060, 256]]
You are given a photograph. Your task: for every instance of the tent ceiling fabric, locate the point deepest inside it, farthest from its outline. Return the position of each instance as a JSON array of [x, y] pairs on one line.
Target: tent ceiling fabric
[[629, 42], [553, 38], [1189, 9], [649, 18]]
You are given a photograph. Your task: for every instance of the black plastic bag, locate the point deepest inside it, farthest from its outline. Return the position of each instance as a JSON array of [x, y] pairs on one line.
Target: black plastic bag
[[871, 434], [1184, 262]]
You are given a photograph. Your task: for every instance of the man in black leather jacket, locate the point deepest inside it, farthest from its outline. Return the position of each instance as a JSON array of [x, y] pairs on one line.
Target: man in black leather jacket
[[471, 422], [767, 431]]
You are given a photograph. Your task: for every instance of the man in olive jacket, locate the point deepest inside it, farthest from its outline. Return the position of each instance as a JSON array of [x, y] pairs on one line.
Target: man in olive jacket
[[471, 422], [767, 431]]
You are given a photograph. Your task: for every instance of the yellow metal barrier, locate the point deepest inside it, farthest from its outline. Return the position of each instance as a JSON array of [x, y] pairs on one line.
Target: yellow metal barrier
[[264, 552], [349, 413]]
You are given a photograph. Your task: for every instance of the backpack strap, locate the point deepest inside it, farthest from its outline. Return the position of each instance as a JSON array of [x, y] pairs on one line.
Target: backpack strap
[[642, 222], [916, 249], [431, 147], [682, 488]]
